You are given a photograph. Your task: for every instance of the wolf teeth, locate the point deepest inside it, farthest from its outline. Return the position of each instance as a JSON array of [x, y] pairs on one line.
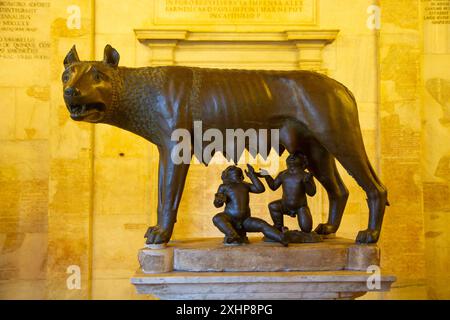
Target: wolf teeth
[[79, 109]]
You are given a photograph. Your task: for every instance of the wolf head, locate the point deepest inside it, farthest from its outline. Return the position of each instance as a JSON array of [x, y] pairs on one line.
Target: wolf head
[[88, 85]]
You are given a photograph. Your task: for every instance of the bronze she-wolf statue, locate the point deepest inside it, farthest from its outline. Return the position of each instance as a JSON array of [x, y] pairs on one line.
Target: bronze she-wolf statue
[[316, 116]]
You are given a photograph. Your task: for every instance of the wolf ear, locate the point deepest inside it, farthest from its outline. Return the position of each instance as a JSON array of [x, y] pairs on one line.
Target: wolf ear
[[111, 56], [71, 57]]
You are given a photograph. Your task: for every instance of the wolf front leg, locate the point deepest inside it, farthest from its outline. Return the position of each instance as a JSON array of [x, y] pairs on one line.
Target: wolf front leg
[[171, 179]]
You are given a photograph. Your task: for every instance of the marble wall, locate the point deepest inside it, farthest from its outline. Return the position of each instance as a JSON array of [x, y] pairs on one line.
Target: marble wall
[[24, 150], [400, 148], [80, 197], [435, 148]]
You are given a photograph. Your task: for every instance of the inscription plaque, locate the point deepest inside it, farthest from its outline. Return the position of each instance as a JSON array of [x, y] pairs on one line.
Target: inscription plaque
[[437, 11], [22, 34], [229, 12], [25, 44]]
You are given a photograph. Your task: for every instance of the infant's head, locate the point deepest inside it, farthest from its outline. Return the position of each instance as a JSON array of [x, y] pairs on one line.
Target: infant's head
[[232, 174], [297, 160]]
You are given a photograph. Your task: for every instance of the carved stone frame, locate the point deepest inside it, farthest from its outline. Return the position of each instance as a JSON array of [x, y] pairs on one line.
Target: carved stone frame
[[309, 43]]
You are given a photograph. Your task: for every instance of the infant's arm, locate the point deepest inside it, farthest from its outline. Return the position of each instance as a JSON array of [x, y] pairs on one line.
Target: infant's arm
[[274, 184], [256, 186], [220, 197], [310, 185]]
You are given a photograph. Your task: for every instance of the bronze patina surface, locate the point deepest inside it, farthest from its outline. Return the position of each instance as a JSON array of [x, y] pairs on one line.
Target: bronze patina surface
[[316, 116]]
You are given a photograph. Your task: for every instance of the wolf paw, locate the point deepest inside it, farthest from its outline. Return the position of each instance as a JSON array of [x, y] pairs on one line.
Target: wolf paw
[[367, 236], [325, 229], [157, 235]]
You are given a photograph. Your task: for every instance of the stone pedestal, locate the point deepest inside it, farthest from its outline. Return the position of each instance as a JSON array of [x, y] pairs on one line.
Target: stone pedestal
[[208, 269]]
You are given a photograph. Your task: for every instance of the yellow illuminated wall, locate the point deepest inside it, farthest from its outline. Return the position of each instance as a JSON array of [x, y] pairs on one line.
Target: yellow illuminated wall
[[75, 195]]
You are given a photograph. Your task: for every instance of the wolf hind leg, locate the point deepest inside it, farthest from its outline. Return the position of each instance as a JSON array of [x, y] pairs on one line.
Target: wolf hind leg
[[352, 155]]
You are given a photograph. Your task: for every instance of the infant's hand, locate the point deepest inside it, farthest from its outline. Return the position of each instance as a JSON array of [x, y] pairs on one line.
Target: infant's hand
[[219, 200], [251, 170], [220, 197], [308, 176], [218, 203]]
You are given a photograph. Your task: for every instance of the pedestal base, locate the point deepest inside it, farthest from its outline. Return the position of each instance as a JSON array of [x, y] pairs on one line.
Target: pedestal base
[[257, 285], [208, 269]]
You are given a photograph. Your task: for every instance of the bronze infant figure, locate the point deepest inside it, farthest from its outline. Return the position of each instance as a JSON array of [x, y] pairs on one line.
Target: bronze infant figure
[[235, 221], [315, 115], [296, 183]]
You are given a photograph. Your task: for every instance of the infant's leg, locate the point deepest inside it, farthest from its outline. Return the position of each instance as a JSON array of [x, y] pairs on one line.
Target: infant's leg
[[224, 224], [259, 225], [276, 212], [305, 219]]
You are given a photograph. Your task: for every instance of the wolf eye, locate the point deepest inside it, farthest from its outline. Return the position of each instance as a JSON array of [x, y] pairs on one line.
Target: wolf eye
[[96, 75], [65, 77]]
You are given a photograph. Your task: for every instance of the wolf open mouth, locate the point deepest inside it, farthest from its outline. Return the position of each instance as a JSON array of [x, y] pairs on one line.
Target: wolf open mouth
[[86, 111]]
